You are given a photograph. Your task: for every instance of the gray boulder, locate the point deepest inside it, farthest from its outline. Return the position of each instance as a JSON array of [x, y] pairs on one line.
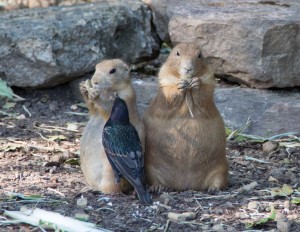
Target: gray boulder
[[271, 112], [46, 47], [253, 42]]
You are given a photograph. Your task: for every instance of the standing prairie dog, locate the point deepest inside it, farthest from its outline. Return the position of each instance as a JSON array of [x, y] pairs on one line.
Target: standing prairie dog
[[111, 76], [185, 134]]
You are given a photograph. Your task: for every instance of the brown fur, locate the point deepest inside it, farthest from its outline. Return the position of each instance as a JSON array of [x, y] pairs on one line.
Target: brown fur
[[185, 134], [99, 95]]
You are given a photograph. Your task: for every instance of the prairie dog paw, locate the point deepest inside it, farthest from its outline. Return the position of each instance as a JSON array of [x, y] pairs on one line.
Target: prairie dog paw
[[83, 88], [93, 94], [195, 82], [158, 189], [182, 84]]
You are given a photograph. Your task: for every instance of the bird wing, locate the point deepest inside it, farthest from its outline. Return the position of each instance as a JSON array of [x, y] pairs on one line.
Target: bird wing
[[123, 148]]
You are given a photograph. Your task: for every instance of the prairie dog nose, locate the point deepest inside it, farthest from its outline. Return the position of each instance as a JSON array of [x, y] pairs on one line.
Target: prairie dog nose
[[188, 70]]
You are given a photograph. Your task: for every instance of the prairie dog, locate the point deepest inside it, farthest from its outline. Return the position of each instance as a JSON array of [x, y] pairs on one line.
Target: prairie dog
[[111, 76], [185, 134]]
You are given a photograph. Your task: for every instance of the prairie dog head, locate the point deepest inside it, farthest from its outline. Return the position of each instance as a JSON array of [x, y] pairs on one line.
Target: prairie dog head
[[186, 61], [111, 75]]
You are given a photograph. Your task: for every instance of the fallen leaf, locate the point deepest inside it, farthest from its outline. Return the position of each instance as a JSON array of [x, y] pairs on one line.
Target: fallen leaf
[[72, 161], [296, 200], [9, 105], [57, 137], [11, 147], [261, 221], [284, 191], [5, 90]]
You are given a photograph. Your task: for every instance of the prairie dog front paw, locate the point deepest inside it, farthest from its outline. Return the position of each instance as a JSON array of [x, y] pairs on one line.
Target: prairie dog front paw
[[182, 84], [93, 93], [195, 82]]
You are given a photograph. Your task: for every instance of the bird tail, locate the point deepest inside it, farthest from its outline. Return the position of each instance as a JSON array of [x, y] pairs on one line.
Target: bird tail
[[143, 194]]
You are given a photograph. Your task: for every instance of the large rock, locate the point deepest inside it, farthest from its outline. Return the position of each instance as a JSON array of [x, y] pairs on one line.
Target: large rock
[[271, 112], [254, 42], [45, 47]]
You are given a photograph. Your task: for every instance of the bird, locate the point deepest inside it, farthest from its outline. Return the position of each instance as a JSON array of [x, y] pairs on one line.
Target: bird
[[123, 148]]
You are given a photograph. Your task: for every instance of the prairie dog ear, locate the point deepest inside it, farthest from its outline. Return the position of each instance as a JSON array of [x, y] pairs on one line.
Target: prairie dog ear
[[129, 67]]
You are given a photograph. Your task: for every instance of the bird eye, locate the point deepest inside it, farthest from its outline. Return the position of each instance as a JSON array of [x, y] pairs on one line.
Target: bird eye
[[200, 55], [96, 83], [112, 71], [177, 53]]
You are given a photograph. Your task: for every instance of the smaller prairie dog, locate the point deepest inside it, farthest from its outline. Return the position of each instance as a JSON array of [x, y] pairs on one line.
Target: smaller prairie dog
[[111, 76], [185, 134]]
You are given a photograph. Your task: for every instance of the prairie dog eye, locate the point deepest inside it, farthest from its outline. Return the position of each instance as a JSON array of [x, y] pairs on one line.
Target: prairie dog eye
[[200, 55], [112, 71], [177, 53]]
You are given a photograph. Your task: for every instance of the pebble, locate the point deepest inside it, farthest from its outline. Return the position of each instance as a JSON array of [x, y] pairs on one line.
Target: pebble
[[182, 216], [82, 201], [72, 126], [82, 216], [74, 107], [166, 198], [21, 117], [277, 172], [218, 227], [269, 147], [57, 158], [253, 205], [283, 224], [272, 179]]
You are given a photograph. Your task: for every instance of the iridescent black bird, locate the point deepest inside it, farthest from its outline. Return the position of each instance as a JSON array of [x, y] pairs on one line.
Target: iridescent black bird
[[123, 149]]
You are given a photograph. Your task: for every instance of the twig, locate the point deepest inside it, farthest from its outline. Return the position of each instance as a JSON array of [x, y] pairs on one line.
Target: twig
[[214, 197], [27, 111], [57, 128], [16, 141], [165, 206], [187, 103], [42, 229], [200, 206], [44, 148], [257, 160], [56, 191], [192, 223], [167, 225], [239, 131], [77, 113], [44, 137], [261, 197], [18, 97]]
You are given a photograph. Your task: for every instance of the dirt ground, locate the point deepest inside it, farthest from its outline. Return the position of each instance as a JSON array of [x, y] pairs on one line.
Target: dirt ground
[[39, 155]]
